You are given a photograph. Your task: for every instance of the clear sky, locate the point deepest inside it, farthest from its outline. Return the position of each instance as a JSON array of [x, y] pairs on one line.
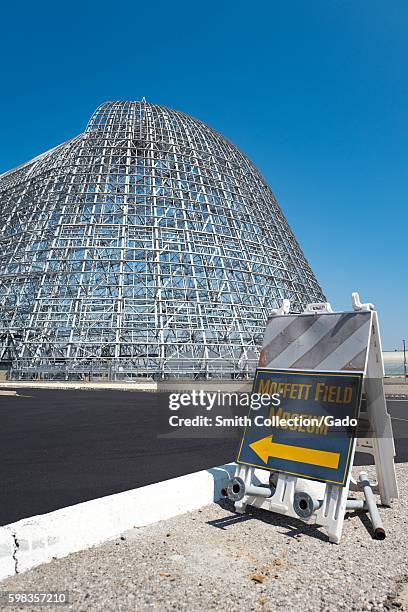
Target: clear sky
[[315, 92]]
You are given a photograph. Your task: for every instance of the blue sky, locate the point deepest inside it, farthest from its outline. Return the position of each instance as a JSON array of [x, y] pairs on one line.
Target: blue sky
[[314, 92]]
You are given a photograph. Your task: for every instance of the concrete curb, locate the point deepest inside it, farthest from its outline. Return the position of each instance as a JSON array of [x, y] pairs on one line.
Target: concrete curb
[[38, 539], [392, 388], [163, 386]]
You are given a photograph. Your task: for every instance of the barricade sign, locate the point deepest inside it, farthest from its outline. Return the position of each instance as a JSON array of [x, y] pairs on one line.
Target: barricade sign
[[319, 363], [311, 430]]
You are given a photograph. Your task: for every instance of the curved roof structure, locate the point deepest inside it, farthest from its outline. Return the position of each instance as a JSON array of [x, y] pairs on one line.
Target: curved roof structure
[[147, 245]]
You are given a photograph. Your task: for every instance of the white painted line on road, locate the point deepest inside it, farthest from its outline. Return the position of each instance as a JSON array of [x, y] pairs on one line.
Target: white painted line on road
[[36, 540], [397, 400]]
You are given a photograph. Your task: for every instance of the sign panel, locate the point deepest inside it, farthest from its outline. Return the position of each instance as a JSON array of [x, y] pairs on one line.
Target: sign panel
[[302, 423], [322, 341]]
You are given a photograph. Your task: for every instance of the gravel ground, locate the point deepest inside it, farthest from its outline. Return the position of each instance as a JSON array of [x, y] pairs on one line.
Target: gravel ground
[[213, 559]]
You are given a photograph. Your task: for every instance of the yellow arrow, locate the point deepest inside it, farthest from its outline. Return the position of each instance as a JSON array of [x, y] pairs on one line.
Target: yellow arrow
[[265, 448]]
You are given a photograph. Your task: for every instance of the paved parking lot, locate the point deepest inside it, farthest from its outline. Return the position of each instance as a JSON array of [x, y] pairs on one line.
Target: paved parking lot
[[59, 448]]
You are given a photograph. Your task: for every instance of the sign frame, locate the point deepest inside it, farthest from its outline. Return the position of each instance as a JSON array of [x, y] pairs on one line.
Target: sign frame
[[363, 355]]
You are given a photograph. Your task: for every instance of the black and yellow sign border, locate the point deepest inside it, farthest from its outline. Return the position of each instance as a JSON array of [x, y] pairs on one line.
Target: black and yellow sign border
[[354, 374]]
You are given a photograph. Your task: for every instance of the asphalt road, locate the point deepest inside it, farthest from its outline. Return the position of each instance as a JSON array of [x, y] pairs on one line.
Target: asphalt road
[[59, 448]]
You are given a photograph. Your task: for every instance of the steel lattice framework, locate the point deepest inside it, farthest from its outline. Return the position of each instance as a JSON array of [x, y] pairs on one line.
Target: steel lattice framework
[[147, 245]]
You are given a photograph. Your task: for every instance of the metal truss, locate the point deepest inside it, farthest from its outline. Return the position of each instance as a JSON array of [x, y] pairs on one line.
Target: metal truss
[[146, 246]]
